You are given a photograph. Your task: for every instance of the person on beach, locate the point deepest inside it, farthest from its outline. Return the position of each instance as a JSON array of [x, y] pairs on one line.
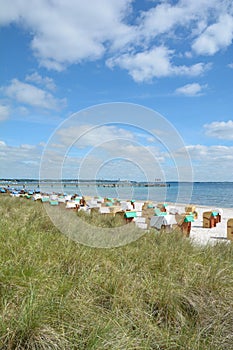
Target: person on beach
[[132, 203], [82, 202]]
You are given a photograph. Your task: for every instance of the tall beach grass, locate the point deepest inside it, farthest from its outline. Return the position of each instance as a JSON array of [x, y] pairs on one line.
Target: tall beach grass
[[159, 292]]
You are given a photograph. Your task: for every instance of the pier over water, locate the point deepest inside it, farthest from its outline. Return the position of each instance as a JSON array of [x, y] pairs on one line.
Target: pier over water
[[78, 183]]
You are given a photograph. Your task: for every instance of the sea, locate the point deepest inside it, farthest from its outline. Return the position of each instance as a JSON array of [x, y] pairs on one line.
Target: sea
[[214, 194]]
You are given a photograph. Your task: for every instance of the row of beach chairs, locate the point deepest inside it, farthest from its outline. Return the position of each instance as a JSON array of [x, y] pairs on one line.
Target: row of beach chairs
[[144, 215]]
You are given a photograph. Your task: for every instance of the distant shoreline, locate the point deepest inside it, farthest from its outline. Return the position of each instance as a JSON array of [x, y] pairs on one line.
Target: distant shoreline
[[20, 181], [217, 194]]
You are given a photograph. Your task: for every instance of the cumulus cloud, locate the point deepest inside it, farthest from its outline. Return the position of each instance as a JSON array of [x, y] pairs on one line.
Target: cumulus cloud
[[37, 79], [210, 153], [4, 112], [14, 158], [31, 95], [220, 130], [132, 150], [144, 66], [193, 89], [162, 18], [203, 155], [147, 159], [24, 160], [69, 32], [91, 135], [208, 162], [217, 36], [66, 32], [98, 145]]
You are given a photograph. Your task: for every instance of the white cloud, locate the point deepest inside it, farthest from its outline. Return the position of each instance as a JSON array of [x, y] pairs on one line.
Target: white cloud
[[162, 18], [27, 146], [14, 158], [132, 150], [4, 112], [91, 135], [163, 23], [36, 78], [220, 130], [42, 144], [144, 66], [2, 144], [144, 43], [23, 161], [193, 70], [31, 95], [66, 32], [202, 155], [217, 36], [210, 153], [230, 65], [193, 89], [210, 163], [10, 11], [98, 145], [148, 159]]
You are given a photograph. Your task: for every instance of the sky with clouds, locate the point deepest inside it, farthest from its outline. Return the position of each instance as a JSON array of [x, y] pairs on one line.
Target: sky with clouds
[[60, 58]]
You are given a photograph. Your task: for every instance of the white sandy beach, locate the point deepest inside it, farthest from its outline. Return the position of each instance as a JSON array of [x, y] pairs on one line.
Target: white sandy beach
[[205, 236]]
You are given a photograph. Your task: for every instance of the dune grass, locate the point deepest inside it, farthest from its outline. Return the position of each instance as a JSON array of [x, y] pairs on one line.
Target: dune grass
[[159, 292]]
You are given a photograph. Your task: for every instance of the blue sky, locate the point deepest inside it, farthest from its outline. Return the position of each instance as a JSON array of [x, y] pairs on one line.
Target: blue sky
[[61, 57]]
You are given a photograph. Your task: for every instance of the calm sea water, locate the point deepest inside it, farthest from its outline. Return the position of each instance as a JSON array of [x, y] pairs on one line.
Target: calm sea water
[[217, 194]]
